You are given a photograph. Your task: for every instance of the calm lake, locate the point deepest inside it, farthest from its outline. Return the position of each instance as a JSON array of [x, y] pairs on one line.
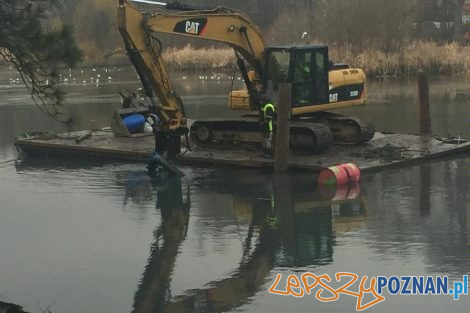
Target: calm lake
[[79, 236]]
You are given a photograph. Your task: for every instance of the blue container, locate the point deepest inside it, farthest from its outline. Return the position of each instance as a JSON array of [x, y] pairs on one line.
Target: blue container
[[135, 123]]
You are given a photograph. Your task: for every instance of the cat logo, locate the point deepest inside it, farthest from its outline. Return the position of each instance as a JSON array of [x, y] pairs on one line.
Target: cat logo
[[333, 97], [194, 26]]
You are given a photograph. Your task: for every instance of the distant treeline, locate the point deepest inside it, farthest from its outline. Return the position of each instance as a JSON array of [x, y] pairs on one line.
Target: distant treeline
[[380, 36]]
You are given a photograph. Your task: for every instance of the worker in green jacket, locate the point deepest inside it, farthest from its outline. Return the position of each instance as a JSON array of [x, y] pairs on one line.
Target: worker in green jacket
[[267, 110]]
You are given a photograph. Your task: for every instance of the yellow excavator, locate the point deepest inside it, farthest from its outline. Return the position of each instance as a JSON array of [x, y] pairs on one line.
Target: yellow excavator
[[318, 85]]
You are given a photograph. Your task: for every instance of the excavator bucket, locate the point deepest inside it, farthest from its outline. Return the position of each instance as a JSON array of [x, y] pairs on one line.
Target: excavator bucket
[[118, 124]]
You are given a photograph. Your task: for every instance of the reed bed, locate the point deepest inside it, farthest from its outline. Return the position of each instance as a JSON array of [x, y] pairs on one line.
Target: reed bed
[[428, 56], [203, 60]]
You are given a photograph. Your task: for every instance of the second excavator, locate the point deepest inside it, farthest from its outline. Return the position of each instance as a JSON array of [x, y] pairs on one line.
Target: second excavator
[[318, 85]]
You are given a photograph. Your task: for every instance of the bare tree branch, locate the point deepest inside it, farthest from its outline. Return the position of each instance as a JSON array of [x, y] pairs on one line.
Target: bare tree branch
[[37, 53]]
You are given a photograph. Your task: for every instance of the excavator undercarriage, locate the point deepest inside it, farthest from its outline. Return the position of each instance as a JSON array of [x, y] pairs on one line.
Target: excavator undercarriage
[[311, 135]]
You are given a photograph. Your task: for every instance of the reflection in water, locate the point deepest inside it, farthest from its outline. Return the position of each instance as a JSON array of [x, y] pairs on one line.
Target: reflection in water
[[174, 210], [425, 207], [289, 226], [425, 188]]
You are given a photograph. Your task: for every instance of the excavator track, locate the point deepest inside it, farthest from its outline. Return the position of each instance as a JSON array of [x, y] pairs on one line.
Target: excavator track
[[310, 137], [345, 129], [304, 137]]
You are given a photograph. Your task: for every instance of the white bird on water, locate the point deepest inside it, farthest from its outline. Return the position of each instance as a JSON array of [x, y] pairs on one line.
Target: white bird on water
[[305, 37]]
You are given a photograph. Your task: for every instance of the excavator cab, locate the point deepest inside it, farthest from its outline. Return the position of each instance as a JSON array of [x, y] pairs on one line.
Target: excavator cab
[[306, 67], [317, 83]]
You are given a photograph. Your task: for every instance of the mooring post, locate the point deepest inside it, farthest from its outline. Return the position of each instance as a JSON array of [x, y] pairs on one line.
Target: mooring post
[[424, 129], [424, 104], [281, 148]]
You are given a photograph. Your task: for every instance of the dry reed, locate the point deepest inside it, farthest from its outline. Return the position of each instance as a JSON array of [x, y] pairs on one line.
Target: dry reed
[[428, 56], [189, 59]]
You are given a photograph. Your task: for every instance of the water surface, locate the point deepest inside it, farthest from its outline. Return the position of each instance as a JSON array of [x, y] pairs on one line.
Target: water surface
[[82, 236]]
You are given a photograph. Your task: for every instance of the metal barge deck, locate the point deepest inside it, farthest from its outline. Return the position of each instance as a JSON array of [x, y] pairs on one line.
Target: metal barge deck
[[382, 152]]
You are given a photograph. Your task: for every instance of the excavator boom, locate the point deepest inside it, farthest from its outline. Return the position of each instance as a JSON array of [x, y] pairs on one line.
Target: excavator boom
[[222, 25]]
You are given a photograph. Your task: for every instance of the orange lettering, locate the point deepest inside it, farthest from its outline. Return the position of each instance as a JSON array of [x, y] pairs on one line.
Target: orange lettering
[[308, 287], [363, 290], [303, 288], [343, 290], [278, 292], [334, 298], [296, 284]]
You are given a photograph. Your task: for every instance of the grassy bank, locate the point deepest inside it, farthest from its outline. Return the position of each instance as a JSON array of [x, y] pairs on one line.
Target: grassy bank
[[429, 56]]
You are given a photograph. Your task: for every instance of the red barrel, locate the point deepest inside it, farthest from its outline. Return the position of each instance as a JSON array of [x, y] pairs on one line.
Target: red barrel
[[339, 175], [354, 191], [340, 192]]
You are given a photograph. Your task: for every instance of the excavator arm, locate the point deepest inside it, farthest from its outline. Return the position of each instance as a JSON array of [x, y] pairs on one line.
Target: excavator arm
[[145, 52]]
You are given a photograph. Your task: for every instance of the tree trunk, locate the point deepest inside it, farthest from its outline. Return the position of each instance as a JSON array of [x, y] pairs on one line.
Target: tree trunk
[[458, 29]]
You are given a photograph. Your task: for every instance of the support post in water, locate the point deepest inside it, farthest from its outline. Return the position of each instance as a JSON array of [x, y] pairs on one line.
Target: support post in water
[[281, 148], [424, 104], [424, 129]]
